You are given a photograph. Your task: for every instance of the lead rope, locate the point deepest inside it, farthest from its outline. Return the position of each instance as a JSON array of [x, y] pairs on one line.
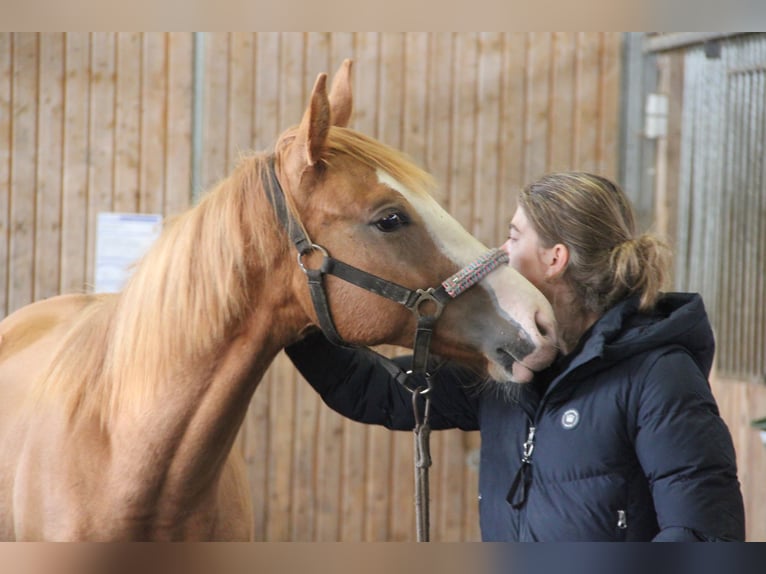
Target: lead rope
[[422, 433], [465, 278]]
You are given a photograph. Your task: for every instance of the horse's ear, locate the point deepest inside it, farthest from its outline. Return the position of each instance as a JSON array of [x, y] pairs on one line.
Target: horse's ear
[[340, 95], [312, 132]]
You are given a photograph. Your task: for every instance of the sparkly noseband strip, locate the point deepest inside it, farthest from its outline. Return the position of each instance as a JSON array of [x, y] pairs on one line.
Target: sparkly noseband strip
[[474, 272]]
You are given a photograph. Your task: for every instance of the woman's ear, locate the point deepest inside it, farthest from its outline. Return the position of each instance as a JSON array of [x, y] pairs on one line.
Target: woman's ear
[[556, 259]]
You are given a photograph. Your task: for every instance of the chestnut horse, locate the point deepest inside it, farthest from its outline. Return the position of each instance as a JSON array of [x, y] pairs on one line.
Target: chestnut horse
[[118, 412]]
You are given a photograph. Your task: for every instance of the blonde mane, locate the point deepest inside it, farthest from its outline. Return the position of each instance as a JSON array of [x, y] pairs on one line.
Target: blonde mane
[[192, 288], [377, 155]]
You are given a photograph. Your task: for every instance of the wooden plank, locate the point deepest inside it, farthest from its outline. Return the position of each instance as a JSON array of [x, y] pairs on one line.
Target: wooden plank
[[417, 98], [294, 91], [281, 417], [471, 443], [101, 137], [74, 193], [342, 46], [486, 186], [266, 117], [152, 147], [562, 84], [588, 104], [329, 477], [179, 123], [463, 164], [214, 129], [666, 206], [365, 80], [441, 96], [512, 127], [23, 169], [49, 166], [610, 105], [127, 160], [755, 462], [741, 401], [6, 125], [538, 105], [241, 97]]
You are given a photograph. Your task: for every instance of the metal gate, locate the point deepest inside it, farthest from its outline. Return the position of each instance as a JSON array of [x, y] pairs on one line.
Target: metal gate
[[721, 233]]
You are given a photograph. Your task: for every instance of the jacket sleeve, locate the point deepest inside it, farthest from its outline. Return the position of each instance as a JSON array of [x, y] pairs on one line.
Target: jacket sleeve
[[365, 386], [687, 454]]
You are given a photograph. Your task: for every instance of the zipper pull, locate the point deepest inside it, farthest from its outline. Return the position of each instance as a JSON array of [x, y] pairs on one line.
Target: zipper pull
[[622, 520], [529, 446], [517, 494]]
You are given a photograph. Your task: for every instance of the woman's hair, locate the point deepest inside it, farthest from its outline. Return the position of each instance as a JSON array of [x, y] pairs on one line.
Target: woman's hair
[[593, 217]]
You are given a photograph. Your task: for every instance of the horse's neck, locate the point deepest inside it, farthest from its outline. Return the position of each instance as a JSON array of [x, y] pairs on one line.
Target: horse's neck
[[184, 429], [171, 455]]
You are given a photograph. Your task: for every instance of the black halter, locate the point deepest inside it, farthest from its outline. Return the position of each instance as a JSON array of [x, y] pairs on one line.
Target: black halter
[[426, 304], [416, 300]]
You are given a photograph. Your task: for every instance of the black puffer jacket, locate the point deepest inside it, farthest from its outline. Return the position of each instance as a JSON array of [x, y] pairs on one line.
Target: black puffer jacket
[[628, 442]]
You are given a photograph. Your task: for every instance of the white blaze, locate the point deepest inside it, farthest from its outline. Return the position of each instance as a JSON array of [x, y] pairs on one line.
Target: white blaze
[[451, 238]]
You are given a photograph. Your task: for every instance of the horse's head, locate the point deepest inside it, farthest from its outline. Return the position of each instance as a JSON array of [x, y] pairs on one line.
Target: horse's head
[[368, 206]]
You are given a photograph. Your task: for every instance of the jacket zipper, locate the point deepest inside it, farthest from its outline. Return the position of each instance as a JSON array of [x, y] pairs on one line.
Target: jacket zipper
[[622, 520], [529, 446], [517, 493]]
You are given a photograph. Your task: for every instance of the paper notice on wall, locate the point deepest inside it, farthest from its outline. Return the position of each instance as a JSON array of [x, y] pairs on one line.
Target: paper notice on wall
[[121, 240]]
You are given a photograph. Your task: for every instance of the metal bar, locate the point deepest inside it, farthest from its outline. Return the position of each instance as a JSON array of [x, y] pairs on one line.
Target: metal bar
[[760, 336], [727, 214], [676, 40]]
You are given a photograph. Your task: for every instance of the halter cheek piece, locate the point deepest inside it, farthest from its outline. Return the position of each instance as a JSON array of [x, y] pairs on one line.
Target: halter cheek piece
[[426, 304]]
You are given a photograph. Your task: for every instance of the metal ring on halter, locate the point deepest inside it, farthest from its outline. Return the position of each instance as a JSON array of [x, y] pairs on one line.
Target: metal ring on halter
[[314, 247], [427, 296], [424, 391]]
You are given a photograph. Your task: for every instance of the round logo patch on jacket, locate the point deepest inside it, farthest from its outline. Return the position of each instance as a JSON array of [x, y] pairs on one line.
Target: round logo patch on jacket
[[570, 418]]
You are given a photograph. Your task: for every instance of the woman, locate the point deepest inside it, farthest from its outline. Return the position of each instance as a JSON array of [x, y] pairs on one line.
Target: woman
[[623, 436]]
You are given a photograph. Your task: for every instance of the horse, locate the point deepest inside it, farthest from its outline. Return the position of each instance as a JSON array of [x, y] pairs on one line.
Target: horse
[[118, 412]]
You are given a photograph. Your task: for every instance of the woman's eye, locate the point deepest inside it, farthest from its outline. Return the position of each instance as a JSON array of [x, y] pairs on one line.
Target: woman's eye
[[391, 222]]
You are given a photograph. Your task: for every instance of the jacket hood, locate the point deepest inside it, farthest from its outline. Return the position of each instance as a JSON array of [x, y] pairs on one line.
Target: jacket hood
[[678, 319]]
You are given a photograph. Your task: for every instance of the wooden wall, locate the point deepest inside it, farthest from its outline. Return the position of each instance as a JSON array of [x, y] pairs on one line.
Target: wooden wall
[[88, 123], [103, 122]]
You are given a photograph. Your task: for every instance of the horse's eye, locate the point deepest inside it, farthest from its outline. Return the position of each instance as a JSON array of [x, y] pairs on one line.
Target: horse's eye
[[391, 222]]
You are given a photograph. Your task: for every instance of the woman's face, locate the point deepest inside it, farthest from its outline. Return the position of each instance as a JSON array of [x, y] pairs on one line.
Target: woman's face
[[527, 254]]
